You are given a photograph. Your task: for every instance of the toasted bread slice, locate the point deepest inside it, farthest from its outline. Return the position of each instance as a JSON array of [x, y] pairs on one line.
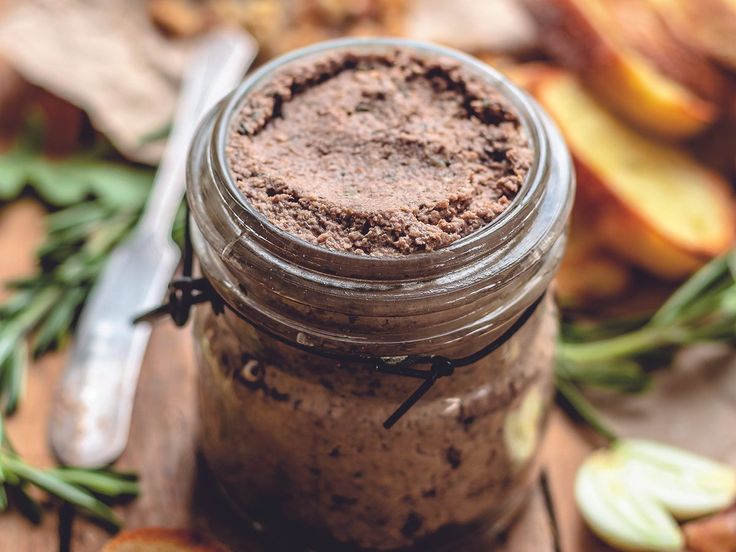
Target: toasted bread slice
[[641, 27], [595, 277], [636, 66], [157, 539], [659, 208], [527, 75], [588, 272], [710, 24]]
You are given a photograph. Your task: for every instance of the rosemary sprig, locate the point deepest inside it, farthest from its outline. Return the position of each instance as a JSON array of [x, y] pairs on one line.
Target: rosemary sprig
[[702, 309], [40, 315], [41, 312], [619, 355], [575, 399], [100, 201], [79, 487]]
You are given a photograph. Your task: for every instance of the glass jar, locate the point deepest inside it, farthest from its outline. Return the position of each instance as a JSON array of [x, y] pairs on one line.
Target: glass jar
[[292, 417]]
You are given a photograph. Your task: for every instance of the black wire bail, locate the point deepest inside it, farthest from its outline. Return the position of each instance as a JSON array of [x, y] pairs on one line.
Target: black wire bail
[[440, 366], [186, 291]]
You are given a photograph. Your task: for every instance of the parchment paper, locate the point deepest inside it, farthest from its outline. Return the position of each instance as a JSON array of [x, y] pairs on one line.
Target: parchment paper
[[103, 56]]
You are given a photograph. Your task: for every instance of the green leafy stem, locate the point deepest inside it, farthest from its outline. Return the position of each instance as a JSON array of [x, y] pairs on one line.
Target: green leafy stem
[[79, 487], [39, 316], [41, 311], [98, 201], [619, 355]]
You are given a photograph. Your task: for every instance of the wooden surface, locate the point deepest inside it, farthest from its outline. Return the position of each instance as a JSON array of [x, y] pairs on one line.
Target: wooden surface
[[177, 491]]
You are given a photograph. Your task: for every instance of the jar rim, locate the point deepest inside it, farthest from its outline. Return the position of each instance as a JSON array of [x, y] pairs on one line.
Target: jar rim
[[412, 304], [460, 252]]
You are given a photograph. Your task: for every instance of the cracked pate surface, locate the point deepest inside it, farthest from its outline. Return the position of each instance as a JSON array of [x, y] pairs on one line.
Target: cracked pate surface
[[379, 154]]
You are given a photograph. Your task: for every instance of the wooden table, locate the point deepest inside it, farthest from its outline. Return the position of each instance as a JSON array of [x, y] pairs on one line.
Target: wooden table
[[177, 491]]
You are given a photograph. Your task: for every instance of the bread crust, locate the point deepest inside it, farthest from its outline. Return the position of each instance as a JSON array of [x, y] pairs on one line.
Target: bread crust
[[633, 62], [633, 230], [159, 539]]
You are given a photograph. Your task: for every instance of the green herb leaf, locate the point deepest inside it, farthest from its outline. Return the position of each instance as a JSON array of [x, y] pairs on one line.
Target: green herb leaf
[[15, 304], [69, 180], [58, 487], [702, 309], [618, 355], [626, 376], [116, 185], [581, 406], [691, 290], [44, 307], [12, 378], [58, 323], [3, 498], [13, 172], [76, 217], [99, 481], [3, 493], [73, 485], [10, 334]]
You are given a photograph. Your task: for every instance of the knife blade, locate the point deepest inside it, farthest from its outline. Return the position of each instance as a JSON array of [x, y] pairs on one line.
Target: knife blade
[[93, 405]]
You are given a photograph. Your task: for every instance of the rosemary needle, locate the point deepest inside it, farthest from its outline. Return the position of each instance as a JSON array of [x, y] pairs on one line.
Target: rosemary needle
[[78, 487], [702, 310]]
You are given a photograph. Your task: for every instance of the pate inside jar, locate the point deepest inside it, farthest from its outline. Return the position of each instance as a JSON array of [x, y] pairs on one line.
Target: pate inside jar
[[372, 199]]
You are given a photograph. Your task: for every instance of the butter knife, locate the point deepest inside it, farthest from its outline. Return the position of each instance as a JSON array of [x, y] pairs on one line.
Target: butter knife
[[92, 409]]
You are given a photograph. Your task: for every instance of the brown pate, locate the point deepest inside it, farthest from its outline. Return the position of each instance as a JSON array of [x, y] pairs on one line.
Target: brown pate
[[378, 154], [382, 155]]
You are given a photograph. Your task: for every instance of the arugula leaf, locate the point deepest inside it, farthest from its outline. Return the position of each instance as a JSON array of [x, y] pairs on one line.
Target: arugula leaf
[[69, 180], [13, 172]]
